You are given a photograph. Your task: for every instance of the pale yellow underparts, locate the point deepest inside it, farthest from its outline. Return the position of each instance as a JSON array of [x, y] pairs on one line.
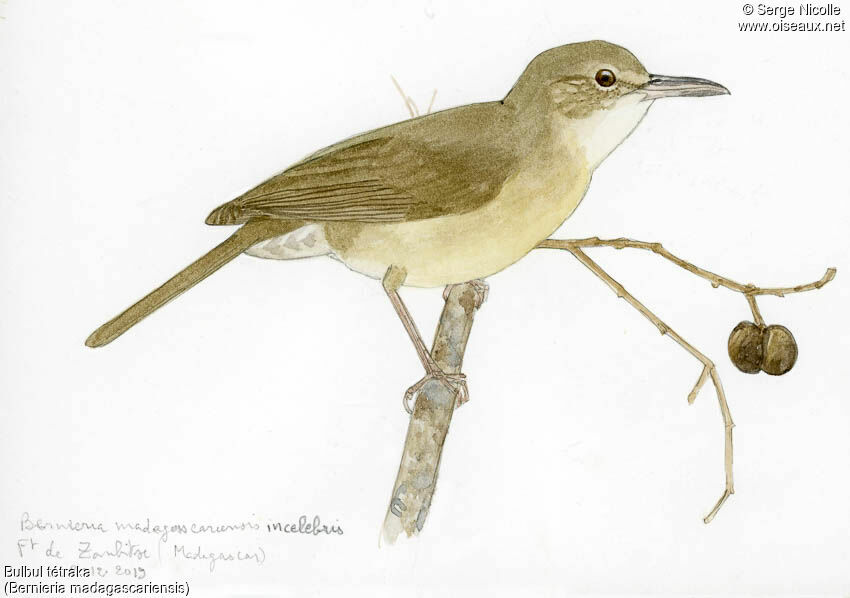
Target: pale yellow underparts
[[454, 249]]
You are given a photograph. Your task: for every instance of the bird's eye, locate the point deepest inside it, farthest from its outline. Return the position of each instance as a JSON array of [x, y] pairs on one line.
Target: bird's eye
[[605, 78]]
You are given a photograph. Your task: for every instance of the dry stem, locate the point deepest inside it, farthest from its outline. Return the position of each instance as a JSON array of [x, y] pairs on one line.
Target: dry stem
[[411, 106], [750, 291], [574, 246]]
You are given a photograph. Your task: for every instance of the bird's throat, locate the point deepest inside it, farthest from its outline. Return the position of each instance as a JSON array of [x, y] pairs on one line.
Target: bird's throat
[[599, 134]]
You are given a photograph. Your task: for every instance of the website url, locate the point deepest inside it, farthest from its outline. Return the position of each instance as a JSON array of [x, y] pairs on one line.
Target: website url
[[789, 26]]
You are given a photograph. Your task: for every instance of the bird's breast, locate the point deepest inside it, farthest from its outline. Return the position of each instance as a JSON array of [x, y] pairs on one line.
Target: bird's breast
[[532, 202]]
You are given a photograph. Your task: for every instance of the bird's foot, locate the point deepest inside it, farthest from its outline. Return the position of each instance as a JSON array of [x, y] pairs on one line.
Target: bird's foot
[[456, 383], [481, 289]]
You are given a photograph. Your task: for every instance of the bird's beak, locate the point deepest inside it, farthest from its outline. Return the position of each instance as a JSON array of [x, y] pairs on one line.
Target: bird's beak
[[662, 86]]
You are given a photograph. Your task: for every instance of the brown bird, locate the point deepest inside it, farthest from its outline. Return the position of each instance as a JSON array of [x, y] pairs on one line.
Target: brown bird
[[445, 198]]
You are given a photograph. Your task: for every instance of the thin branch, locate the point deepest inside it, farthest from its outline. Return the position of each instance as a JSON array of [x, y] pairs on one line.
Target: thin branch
[[431, 103], [412, 108], [754, 307], [715, 279], [708, 369], [407, 101], [415, 107], [750, 291]]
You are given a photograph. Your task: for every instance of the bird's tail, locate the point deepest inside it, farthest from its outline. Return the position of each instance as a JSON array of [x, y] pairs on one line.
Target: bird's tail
[[251, 233]]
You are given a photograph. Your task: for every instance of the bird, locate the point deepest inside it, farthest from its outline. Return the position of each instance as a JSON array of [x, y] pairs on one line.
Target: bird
[[450, 197]]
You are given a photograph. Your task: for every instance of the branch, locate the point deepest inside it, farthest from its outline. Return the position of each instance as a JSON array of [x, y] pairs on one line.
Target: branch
[[432, 414], [750, 291], [411, 106], [408, 101], [708, 368]]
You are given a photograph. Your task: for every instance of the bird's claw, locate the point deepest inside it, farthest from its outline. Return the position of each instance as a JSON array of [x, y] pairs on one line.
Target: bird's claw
[[456, 383]]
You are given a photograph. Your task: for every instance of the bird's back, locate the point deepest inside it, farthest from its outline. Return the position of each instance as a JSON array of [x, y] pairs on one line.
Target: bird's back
[[448, 162]]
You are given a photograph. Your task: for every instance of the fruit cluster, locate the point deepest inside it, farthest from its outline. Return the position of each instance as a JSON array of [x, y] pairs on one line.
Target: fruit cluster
[[769, 349]]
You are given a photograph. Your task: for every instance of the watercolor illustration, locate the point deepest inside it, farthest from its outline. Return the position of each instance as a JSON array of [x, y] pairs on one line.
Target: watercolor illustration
[[449, 198]]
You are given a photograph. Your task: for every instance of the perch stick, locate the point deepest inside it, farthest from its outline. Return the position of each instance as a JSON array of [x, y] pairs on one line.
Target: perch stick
[[432, 414], [708, 370], [749, 291]]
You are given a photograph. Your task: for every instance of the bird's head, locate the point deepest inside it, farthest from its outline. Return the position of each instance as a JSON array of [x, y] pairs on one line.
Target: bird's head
[[595, 94]]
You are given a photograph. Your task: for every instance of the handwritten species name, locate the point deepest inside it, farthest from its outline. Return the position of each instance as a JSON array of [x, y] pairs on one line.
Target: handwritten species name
[[93, 544], [28, 525], [314, 528]]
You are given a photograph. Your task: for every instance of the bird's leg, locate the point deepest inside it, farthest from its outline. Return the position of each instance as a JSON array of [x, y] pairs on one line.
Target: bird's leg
[[393, 279]]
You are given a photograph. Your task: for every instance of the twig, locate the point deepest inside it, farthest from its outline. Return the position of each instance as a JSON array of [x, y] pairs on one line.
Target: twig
[[431, 103], [407, 101], [412, 108], [432, 414], [749, 291], [751, 299], [708, 367]]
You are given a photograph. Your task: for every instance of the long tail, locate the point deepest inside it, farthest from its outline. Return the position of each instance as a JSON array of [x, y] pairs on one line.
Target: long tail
[[252, 232]]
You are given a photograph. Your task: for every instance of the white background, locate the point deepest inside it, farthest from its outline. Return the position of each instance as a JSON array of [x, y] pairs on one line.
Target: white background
[[274, 389]]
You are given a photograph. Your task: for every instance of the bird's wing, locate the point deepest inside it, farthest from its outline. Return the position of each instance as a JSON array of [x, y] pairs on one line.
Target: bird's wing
[[448, 162]]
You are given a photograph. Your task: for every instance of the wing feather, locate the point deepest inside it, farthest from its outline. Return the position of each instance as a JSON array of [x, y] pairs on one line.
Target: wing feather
[[422, 168]]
